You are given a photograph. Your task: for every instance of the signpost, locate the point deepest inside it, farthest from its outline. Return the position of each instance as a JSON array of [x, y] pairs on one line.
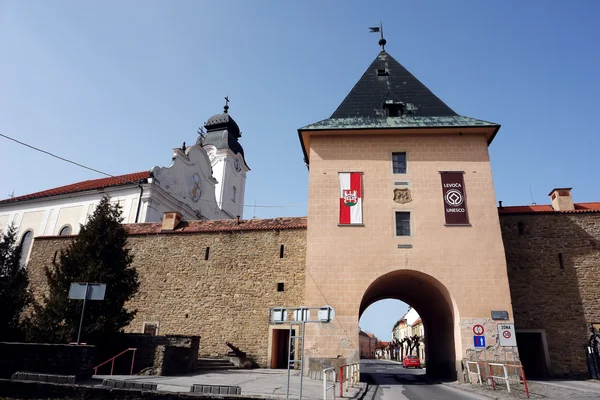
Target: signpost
[[85, 292], [506, 335], [300, 315], [479, 341], [478, 330]]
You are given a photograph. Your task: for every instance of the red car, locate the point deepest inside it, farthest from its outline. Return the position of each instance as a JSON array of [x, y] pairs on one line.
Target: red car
[[411, 361]]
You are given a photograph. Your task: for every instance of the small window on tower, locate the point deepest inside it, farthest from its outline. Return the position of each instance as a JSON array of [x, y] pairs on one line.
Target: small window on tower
[[402, 223], [399, 163], [233, 194]]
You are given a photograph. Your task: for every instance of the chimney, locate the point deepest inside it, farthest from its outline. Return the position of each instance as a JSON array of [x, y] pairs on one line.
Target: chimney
[[562, 199], [171, 220], [500, 205]]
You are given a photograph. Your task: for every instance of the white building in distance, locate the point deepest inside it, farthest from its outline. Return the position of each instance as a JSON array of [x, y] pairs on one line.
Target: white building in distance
[[204, 181]]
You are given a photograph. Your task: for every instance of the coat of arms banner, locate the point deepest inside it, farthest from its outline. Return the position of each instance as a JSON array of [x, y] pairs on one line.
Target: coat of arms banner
[[350, 198]]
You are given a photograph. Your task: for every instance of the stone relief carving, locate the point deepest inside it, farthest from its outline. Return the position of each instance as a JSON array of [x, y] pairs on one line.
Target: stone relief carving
[[402, 196]]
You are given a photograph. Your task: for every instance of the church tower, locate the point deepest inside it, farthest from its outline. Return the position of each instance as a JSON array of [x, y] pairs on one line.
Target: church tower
[[220, 141]]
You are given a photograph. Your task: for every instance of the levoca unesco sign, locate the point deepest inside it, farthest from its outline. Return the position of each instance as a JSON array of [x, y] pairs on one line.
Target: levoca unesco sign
[[455, 200]]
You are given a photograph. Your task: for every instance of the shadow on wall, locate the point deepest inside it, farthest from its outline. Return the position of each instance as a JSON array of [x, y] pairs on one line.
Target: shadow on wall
[[553, 269]]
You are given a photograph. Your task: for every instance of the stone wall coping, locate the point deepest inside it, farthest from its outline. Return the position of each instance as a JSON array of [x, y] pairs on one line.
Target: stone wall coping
[[211, 226], [50, 344]]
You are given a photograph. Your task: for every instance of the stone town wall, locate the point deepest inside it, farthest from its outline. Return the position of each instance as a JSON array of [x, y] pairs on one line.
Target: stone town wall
[[561, 298], [224, 298], [59, 359]]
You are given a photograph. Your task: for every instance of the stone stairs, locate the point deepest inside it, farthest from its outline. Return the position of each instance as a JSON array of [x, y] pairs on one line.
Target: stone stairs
[[213, 364]]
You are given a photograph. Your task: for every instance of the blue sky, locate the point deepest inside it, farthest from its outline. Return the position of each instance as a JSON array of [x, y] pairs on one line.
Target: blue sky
[[118, 85]]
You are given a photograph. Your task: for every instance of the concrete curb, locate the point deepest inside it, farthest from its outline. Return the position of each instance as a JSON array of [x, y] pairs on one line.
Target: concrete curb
[[362, 391], [455, 386]]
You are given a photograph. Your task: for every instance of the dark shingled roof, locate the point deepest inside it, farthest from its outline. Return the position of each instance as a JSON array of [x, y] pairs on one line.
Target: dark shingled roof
[[222, 132], [387, 79]]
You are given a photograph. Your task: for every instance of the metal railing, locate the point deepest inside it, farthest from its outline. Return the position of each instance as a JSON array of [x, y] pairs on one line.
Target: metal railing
[[469, 372], [506, 377], [112, 367], [332, 386], [349, 376]]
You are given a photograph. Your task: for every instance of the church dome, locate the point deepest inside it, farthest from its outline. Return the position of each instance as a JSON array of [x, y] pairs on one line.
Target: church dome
[[222, 132], [223, 121]]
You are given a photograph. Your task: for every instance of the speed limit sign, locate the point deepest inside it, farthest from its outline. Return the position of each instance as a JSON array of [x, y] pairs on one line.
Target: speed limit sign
[[506, 335], [478, 330]]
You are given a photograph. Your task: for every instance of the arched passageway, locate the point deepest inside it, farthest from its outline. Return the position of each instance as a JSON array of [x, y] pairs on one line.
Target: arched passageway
[[432, 301]]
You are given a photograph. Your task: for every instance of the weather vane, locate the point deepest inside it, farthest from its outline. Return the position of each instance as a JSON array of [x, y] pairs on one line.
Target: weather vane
[[379, 28], [226, 104]]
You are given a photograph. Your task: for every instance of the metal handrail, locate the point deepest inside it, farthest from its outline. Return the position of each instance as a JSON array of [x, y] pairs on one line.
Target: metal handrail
[[113, 361], [325, 387], [351, 377], [469, 372]]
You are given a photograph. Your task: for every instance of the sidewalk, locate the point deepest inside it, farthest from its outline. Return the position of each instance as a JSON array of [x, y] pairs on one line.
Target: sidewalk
[[547, 390], [258, 382]]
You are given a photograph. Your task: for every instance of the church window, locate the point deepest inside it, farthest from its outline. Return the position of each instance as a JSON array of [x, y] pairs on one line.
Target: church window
[[281, 251], [26, 242], [402, 223], [399, 162], [207, 253], [233, 194], [280, 287], [65, 230]]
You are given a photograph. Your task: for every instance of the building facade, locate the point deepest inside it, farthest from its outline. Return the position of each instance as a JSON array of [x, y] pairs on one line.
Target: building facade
[[425, 230], [425, 217], [215, 279], [204, 181], [553, 256]]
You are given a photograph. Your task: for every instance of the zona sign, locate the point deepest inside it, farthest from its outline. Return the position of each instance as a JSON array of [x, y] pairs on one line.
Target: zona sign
[[478, 330]]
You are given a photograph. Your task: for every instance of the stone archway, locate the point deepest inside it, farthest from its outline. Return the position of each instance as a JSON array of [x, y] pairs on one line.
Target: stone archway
[[433, 303]]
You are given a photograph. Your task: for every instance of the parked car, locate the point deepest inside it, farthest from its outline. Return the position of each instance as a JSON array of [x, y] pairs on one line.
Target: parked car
[[411, 361]]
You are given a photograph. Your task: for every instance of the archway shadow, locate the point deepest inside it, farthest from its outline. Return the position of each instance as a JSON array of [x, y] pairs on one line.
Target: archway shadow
[[432, 301]]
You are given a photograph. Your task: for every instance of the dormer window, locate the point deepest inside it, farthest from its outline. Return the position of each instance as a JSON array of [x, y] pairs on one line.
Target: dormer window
[[393, 108], [382, 72]]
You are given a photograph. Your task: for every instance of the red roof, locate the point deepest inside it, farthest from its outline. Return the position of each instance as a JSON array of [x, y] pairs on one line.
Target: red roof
[[215, 225], [220, 225], [547, 208], [83, 186]]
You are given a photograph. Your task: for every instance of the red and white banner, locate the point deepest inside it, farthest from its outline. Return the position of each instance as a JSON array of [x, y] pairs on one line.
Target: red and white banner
[[351, 198]]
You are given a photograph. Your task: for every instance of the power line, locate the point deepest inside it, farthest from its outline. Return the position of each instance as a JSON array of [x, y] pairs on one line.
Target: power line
[[134, 182]]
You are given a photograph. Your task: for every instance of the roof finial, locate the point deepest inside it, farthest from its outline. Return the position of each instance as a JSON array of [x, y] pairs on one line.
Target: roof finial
[[226, 104], [379, 28]]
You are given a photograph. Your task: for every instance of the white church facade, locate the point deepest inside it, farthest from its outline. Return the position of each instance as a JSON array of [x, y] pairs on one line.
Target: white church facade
[[203, 182]]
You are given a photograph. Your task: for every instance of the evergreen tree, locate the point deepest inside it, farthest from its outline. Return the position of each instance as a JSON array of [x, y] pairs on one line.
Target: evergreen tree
[[96, 255], [14, 296]]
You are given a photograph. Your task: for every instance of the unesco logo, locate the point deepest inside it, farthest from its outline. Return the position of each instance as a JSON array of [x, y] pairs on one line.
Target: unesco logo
[[454, 198]]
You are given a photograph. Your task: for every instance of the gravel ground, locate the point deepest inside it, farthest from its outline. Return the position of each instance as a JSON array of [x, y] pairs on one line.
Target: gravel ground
[[536, 391]]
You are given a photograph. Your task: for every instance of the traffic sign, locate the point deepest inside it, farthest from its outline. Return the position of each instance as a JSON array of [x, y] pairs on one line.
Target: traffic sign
[[478, 330], [506, 335], [478, 341]]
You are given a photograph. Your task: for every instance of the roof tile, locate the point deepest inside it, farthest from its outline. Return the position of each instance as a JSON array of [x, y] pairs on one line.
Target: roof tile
[[220, 225], [547, 209], [83, 186]]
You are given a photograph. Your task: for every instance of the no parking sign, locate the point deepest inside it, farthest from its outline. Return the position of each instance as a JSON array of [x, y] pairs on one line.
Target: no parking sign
[[506, 335]]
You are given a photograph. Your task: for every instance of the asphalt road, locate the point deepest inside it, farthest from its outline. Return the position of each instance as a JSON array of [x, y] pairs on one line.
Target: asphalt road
[[388, 380]]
